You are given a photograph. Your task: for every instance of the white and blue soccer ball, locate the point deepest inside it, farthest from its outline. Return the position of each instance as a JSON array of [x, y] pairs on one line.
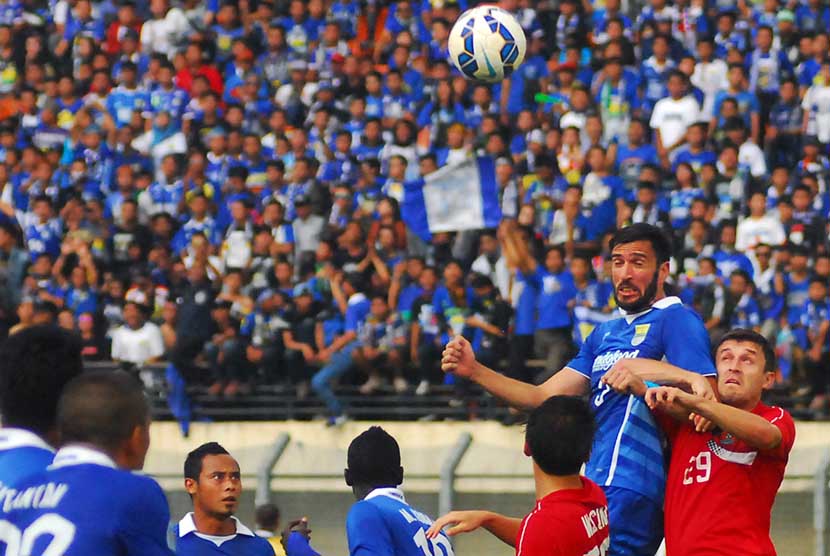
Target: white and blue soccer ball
[[487, 44]]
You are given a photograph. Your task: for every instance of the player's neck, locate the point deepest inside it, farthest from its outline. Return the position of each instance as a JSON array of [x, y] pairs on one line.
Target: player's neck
[[548, 484], [213, 525]]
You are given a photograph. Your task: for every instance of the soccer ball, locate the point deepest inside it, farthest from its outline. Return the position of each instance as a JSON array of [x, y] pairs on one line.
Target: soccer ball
[[487, 44]]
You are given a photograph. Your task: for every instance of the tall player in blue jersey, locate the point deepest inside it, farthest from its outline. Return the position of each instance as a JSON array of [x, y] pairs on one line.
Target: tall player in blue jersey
[[381, 523], [627, 457], [87, 501], [35, 365]]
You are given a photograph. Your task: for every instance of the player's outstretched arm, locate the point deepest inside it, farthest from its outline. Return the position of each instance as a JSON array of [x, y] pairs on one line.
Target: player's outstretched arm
[[504, 528], [743, 425], [458, 358]]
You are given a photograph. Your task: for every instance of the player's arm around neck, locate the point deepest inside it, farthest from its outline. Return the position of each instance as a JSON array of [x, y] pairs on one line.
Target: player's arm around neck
[[660, 372]]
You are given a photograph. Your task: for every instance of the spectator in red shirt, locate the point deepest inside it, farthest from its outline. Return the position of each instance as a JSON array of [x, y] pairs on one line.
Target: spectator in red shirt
[[722, 482], [571, 513], [195, 65], [127, 19]]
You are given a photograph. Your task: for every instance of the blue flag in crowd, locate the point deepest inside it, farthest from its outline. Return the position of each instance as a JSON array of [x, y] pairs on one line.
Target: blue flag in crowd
[[459, 197]]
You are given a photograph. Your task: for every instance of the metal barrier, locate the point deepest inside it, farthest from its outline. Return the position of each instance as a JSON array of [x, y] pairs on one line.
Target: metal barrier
[[265, 471], [822, 482], [448, 469]]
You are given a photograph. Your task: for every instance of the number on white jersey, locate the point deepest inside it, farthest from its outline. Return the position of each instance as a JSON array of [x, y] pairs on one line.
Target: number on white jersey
[[21, 543]]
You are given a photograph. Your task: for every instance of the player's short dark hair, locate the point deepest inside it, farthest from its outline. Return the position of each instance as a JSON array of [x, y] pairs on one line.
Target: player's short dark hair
[[374, 458], [743, 274], [102, 408], [644, 232], [267, 516], [747, 335], [193, 461], [559, 434], [35, 366]]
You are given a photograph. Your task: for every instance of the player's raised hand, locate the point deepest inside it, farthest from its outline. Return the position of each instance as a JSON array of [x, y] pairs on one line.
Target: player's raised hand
[[461, 522], [458, 358]]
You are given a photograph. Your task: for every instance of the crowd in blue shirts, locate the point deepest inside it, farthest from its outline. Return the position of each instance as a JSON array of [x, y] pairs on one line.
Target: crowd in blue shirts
[[237, 169]]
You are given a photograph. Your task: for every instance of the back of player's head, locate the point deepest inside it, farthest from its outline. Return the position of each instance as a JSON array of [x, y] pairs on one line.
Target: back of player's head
[[374, 459], [559, 435], [267, 516], [644, 232], [35, 365], [750, 336], [193, 462], [102, 408]]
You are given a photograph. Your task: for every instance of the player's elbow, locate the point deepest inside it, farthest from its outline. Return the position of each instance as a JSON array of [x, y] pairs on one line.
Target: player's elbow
[[770, 439]]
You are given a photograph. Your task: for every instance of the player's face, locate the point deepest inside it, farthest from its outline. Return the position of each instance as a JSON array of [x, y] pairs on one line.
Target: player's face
[[219, 487], [741, 373], [635, 275]]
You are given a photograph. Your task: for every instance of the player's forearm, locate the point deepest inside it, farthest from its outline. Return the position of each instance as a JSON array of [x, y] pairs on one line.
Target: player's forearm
[[514, 392], [504, 528], [743, 425], [660, 372]]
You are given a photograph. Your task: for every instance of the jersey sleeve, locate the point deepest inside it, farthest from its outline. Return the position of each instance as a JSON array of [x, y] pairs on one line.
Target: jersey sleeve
[[784, 422], [584, 361], [367, 532], [143, 520], [686, 342]]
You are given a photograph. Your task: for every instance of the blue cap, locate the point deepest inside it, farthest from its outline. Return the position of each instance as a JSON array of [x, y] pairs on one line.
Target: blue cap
[[302, 289]]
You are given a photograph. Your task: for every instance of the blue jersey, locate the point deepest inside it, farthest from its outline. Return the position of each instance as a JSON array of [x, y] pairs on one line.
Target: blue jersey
[[244, 541], [83, 505], [383, 524], [122, 102], [22, 453], [627, 451]]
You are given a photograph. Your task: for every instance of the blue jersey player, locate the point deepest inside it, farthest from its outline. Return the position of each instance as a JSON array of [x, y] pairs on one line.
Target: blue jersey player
[[214, 483], [381, 523], [35, 365], [627, 458], [87, 501]]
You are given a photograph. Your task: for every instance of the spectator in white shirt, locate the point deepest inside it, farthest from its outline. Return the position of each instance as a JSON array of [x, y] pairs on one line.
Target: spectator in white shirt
[[137, 341], [750, 155], [816, 105], [709, 75], [672, 116], [759, 227], [163, 33]]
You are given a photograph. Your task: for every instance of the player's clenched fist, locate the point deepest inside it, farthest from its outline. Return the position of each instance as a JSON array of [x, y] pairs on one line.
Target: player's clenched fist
[[458, 358]]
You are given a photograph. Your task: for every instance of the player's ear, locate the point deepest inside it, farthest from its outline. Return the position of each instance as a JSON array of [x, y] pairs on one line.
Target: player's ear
[[399, 475], [190, 486], [348, 477], [769, 380]]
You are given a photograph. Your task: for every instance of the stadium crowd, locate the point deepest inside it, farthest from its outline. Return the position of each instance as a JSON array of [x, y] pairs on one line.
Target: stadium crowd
[[219, 184]]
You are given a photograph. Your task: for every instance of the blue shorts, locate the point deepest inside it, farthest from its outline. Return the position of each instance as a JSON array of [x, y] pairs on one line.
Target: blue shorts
[[635, 523]]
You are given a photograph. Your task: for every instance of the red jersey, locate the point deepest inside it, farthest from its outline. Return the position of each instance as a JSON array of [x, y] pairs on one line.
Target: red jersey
[[720, 491], [571, 522]]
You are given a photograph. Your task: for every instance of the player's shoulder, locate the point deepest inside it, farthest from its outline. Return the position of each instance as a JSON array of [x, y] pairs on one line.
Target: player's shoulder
[[774, 414], [363, 511], [20, 463]]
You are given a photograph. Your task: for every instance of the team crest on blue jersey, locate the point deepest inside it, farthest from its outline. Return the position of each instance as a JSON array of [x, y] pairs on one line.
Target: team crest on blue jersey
[[640, 333]]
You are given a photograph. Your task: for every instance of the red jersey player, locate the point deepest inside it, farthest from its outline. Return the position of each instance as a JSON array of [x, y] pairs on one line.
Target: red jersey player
[[571, 514], [721, 483]]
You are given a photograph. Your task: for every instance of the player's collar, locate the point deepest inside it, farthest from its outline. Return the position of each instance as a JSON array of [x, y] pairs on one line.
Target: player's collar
[[187, 525], [659, 304], [75, 454], [395, 493], [12, 438]]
